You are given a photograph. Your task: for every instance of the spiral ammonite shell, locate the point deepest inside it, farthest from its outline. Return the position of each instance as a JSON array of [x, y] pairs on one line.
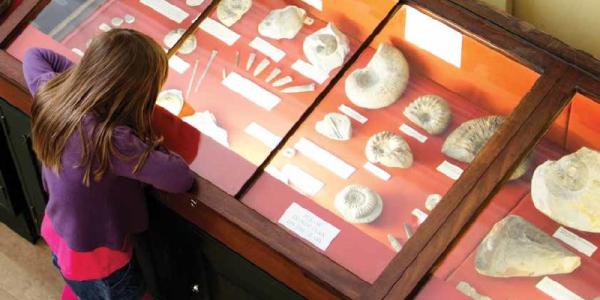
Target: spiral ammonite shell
[[389, 149], [429, 112], [358, 204]]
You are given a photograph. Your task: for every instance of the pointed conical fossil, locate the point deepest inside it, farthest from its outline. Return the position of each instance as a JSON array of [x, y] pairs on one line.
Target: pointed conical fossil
[[231, 11], [516, 248], [335, 126], [283, 81], [358, 204], [274, 73], [262, 65], [282, 23], [396, 245], [326, 48], [299, 88], [429, 112], [381, 82], [389, 149]]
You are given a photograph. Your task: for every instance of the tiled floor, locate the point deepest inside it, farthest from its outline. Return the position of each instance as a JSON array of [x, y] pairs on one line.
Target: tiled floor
[[26, 272]]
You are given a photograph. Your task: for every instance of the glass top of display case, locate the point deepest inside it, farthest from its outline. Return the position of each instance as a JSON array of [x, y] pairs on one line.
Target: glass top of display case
[[384, 146], [543, 243]]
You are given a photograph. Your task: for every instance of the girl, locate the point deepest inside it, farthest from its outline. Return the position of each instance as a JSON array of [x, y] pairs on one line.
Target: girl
[[91, 131]]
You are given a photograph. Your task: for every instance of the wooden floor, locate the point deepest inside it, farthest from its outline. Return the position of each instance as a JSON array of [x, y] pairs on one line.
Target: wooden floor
[[26, 272]]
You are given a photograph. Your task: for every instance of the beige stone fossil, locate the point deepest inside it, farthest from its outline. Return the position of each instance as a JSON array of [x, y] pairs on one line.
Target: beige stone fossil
[[171, 100], [188, 46], [358, 204], [429, 112], [516, 248], [326, 48], [284, 23], [335, 126], [389, 149], [396, 245], [381, 82], [231, 11], [568, 190], [470, 291]]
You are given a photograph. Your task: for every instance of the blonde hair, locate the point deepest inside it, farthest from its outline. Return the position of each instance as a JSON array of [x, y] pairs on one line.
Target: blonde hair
[[117, 80]]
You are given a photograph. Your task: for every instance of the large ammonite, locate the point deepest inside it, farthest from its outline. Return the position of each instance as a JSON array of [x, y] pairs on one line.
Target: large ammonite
[[389, 149], [358, 204]]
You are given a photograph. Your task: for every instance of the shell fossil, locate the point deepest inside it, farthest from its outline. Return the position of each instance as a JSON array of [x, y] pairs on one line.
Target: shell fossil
[[188, 46], [231, 11], [389, 149], [358, 204], [568, 190], [335, 126], [326, 48], [283, 23], [432, 201], [429, 112], [381, 82], [465, 142], [171, 100]]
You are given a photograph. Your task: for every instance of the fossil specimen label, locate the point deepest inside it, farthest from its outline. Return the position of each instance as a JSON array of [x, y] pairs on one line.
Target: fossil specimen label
[[516, 248]]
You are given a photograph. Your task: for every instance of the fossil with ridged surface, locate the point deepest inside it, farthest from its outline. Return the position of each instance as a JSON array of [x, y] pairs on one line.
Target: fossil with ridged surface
[[381, 82], [568, 190], [516, 248], [389, 149], [188, 46], [326, 48], [284, 23], [358, 204], [335, 126], [430, 112], [231, 11]]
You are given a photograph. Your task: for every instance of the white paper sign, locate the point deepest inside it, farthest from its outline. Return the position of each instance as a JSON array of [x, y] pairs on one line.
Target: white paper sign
[[310, 71], [413, 133], [304, 182], [219, 31], [308, 226], [178, 64], [556, 290], [451, 170], [167, 9], [420, 215], [277, 174], [377, 171], [582, 245], [348, 111], [262, 134], [251, 91], [324, 158], [267, 49]]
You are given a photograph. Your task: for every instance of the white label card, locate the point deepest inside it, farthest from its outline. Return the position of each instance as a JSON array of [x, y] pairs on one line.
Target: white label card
[[348, 111], [324, 158], [420, 215], [219, 31], [167, 9], [556, 290], [304, 182], [178, 64], [251, 91], [308, 226], [377, 171], [262, 134], [310, 71], [413, 133], [277, 174], [570, 238], [267, 49], [451, 170]]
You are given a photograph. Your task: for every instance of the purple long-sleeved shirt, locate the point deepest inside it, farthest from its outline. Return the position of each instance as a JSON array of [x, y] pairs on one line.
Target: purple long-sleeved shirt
[[107, 212]]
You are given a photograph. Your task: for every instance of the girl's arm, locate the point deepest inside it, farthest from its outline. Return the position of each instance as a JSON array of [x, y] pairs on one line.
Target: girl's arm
[[163, 170], [40, 65]]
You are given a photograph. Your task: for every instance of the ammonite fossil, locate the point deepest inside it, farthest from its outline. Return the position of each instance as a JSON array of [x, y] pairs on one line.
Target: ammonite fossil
[[231, 11], [429, 112], [283, 23], [389, 149], [326, 48], [358, 204]]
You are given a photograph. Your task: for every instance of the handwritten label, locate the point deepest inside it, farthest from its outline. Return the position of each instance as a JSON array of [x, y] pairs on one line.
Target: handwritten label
[[582, 245], [267, 49], [251, 91], [308, 226], [451, 170], [348, 111], [219, 31], [420, 215], [324, 158], [377, 171], [301, 180], [413, 133], [167, 9], [556, 290], [310, 71], [262, 134]]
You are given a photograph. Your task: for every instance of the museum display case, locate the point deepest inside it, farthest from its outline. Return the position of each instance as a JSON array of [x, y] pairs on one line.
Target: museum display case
[[344, 147]]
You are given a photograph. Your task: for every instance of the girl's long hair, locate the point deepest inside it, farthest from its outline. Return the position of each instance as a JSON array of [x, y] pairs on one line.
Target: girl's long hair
[[117, 80]]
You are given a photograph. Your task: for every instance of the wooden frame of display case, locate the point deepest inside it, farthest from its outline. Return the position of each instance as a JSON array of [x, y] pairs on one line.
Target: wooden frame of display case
[[562, 69]]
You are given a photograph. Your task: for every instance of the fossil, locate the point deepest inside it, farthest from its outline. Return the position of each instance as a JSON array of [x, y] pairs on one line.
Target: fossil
[[335, 126], [262, 65], [389, 149], [104, 27], [432, 201], [231, 11], [211, 59], [188, 46], [171, 100], [250, 61], [568, 190], [299, 88], [516, 248], [429, 112], [283, 23], [465, 142], [471, 292], [326, 48], [396, 245], [358, 204], [274, 73], [129, 19], [283, 81], [116, 21], [381, 82], [408, 231]]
